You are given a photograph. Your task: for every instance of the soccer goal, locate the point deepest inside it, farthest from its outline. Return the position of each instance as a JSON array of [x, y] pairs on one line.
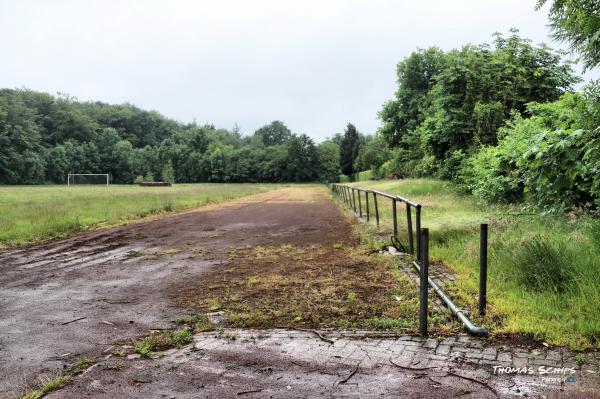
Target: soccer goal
[[88, 178]]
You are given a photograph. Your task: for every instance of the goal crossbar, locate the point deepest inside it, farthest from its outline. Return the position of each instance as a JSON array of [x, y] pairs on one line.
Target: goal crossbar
[[70, 175]]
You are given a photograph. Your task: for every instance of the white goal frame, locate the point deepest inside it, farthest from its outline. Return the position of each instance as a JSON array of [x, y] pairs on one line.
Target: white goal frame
[[88, 174]]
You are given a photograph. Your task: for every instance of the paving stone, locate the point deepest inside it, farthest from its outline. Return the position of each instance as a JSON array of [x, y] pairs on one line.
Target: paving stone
[[520, 362], [463, 338], [553, 356], [443, 349], [404, 359], [521, 355], [475, 344], [460, 349], [431, 343], [504, 357], [448, 341]]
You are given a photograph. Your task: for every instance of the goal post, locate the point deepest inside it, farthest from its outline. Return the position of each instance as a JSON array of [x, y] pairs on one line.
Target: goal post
[[88, 178]]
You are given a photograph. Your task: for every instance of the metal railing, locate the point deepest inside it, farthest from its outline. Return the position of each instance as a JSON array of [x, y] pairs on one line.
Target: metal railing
[[350, 194], [353, 196]]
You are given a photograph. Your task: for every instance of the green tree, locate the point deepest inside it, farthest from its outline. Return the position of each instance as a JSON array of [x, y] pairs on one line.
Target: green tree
[[302, 159], [274, 133], [373, 154], [329, 161], [416, 76], [449, 104], [349, 149], [274, 164], [577, 22], [168, 174]]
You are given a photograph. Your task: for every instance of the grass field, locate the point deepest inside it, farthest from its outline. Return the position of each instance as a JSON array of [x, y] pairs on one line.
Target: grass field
[[544, 270], [30, 214]]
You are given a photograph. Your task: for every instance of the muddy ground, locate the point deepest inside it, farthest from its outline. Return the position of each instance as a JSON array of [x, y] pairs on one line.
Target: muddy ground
[[78, 297]]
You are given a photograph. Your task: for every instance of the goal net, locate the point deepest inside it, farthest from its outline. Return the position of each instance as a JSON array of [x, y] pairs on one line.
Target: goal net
[[88, 178]]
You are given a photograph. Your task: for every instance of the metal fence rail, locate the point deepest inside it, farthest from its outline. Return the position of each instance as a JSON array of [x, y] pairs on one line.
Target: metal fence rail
[[352, 196]]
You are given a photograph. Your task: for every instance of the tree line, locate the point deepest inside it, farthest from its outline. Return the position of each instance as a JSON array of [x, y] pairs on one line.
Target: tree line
[[43, 138]]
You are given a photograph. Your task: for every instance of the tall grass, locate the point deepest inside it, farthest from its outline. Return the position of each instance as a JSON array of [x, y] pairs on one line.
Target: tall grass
[[544, 270], [31, 214]]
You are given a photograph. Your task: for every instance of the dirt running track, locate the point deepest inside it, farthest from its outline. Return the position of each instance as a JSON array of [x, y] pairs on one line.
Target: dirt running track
[[106, 279], [76, 297]]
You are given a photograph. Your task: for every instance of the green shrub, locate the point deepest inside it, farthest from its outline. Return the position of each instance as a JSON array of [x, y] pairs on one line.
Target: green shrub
[[168, 173], [344, 179], [149, 176], [386, 169], [364, 175], [488, 175], [450, 168], [548, 158], [426, 166]]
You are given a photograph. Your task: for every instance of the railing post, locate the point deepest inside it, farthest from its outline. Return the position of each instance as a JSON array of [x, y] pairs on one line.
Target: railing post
[[418, 230], [483, 263], [411, 245], [395, 217], [367, 204], [424, 281], [346, 195], [376, 208], [353, 200], [359, 203]]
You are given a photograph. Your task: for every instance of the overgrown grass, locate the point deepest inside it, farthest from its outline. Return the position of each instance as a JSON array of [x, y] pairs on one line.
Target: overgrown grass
[[310, 287], [544, 270], [30, 214]]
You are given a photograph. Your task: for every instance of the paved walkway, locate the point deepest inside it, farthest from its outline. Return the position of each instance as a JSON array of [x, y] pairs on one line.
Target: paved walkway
[[298, 364]]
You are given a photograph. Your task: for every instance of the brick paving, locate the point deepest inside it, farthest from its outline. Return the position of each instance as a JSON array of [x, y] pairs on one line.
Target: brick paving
[[464, 355], [282, 363]]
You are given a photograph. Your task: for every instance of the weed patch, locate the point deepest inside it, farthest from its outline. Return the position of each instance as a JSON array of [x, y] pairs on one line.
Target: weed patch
[[197, 323], [316, 287], [157, 341], [82, 363]]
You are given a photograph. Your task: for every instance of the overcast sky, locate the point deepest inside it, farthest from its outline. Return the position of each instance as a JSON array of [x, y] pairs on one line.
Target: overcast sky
[[316, 65]]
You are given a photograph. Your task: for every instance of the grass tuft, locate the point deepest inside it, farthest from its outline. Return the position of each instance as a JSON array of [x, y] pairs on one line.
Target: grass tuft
[[543, 265], [47, 387], [163, 340]]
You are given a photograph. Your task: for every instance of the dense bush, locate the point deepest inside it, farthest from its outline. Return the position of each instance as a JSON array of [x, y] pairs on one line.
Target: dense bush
[[550, 157]]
